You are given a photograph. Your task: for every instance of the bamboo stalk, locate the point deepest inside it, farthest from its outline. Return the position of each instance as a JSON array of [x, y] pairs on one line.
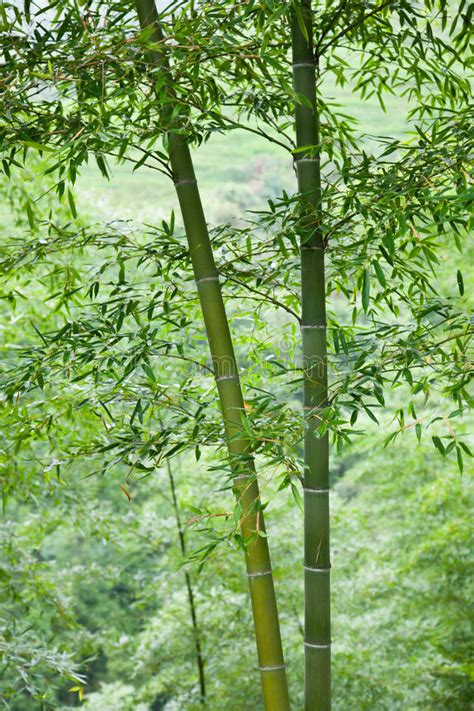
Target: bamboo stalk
[[259, 572], [189, 588], [313, 324]]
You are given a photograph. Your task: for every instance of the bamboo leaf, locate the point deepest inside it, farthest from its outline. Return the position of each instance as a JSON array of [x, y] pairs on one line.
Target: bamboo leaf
[[297, 8], [37, 146], [149, 372], [365, 290], [102, 165], [439, 445], [380, 274], [465, 448], [72, 204], [30, 215]]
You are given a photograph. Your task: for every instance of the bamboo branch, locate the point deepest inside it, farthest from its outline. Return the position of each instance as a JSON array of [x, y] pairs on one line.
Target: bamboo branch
[[360, 20], [266, 296], [334, 20], [189, 588]]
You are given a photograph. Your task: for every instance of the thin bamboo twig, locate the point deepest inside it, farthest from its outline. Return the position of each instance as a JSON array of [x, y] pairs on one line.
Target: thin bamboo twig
[[360, 20], [189, 587]]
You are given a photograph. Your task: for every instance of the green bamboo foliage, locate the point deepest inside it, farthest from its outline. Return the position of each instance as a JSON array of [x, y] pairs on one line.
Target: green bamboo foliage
[[262, 592], [313, 325]]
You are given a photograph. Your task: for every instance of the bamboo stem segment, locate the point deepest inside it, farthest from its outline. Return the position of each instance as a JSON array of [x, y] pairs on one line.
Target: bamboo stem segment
[[317, 565], [262, 592]]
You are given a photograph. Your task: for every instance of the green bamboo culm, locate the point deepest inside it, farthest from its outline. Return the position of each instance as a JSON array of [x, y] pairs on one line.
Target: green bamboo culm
[[259, 572], [317, 565]]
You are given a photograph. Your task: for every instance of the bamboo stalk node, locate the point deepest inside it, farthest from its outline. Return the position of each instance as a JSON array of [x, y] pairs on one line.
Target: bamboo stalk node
[[314, 407], [305, 159], [318, 646], [314, 325], [243, 476], [226, 377], [297, 65], [316, 491], [185, 182], [311, 569], [316, 246], [274, 668], [259, 574], [211, 278]]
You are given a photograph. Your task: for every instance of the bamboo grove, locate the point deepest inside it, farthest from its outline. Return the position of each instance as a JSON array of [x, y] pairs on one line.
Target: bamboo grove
[[145, 85]]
